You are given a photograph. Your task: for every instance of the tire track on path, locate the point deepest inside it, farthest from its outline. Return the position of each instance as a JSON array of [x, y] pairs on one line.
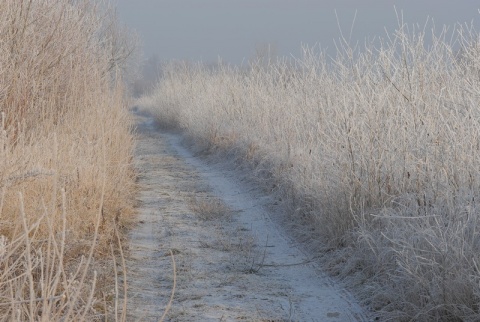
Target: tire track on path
[[233, 264]]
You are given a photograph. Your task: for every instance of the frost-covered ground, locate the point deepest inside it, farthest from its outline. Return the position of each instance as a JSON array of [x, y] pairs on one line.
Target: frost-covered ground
[[233, 261]]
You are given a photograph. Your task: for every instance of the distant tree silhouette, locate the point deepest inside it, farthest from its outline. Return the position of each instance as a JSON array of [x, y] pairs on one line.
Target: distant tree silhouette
[[150, 73]]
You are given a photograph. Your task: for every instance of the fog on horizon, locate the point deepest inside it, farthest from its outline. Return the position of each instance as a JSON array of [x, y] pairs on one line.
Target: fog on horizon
[[233, 30]]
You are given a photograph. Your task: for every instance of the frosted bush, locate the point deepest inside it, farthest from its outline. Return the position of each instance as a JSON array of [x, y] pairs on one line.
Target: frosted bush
[[377, 149]]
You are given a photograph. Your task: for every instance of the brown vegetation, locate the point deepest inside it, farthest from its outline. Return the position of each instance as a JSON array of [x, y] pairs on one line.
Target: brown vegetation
[[66, 180]]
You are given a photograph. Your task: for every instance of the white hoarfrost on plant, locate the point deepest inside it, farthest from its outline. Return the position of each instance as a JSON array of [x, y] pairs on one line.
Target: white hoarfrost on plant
[[3, 246], [378, 149]]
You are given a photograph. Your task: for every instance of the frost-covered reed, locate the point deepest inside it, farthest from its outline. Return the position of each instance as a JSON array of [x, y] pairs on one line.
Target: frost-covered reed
[[66, 179], [378, 149]]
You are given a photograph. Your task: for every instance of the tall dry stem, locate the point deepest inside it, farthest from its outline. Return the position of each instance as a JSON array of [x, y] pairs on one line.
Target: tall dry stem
[[65, 157]]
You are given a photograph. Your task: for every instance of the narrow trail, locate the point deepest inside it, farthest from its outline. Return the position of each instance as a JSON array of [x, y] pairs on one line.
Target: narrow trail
[[232, 262]]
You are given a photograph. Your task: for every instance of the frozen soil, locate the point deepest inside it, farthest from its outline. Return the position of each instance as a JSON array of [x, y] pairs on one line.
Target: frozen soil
[[233, 261]]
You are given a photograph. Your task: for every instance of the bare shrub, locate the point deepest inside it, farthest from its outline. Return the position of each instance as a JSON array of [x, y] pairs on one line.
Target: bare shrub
[[378, 149], [66, 180]]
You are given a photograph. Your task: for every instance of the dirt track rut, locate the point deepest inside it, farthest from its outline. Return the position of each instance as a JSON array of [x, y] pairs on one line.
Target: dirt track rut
[[235, 265]]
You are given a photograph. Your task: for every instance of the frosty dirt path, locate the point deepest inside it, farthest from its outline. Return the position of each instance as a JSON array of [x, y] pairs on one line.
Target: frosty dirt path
[[232, 262]]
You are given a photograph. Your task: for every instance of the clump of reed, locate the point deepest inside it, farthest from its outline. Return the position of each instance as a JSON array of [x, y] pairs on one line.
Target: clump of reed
[[66, 178], [377, 149]]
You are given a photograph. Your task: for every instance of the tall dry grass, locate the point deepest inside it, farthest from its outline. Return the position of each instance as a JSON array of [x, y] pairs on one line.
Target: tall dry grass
[[66, 179], [378, 149]]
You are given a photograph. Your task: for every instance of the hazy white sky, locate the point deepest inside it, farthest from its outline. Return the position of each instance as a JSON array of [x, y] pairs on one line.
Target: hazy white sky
[[232, 29]]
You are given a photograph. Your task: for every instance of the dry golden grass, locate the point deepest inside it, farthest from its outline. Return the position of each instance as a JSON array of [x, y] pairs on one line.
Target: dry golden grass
[[66, 178], [210, 208]]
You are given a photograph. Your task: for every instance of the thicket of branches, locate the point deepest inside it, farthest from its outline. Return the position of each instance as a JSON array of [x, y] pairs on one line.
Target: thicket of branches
[[378, 149], [66, 181]]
